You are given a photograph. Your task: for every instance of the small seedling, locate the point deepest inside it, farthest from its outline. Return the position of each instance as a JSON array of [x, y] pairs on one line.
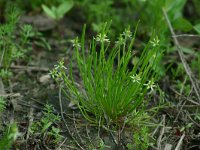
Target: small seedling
[[58, 13], [11, 133], [9, 136], [2, 105], [46, 125], [11, 47]]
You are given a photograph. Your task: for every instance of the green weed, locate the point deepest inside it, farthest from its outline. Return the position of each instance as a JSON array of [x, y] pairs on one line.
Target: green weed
[[46, 126], [12, 47], [110, 91], [140, 140], [11, 133], [16, 42], [2, 105]]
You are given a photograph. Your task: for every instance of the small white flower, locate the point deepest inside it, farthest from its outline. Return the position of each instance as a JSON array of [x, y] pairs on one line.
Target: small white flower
[[135, 78], [120, 40], [155, 42], [102, 38], [75, 43], [53, 73], [56, 72], [127, 33], [150, 85], [60, 65]]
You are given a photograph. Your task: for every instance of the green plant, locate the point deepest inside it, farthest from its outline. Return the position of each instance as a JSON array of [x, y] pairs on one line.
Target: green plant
[[98, 12], [140, 139], [123, 12], [2, 105], [46, 125], [183, 87], [11, 133], [2, 108], [12, 47], [15, 42], [58, 12], [110, 91], [140, 121], [101, 145]]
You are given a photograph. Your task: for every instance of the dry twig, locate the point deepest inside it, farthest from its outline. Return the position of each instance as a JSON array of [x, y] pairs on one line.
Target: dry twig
[[161, 134], [62, 116], [30, 121], [29, 68], [186, 98], [74, 120], [12, 95], [178, 146], [181, 55]]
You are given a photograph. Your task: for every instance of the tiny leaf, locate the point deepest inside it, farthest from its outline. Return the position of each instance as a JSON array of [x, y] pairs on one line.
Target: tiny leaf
[[182, 24], [49, 12], [64, 8], [197, 28]]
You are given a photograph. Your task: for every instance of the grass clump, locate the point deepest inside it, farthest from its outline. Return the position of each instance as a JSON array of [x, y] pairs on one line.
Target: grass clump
[[110, 90]]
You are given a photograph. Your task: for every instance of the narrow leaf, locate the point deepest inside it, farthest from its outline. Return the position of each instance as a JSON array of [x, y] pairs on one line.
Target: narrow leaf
[[49, 12]]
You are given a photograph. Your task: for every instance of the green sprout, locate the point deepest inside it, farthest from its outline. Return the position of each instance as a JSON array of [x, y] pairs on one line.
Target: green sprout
[[58, 13], [46, 125]]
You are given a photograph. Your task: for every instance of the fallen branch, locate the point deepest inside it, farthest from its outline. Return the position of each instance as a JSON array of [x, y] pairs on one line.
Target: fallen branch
[[10, 95], [31, 68], [162, 131]]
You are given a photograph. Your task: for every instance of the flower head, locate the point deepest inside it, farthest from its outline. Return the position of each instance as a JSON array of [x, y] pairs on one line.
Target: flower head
[[58, 69], [127, 33], [120, 40], [155, 42], [135, 78], [151, 85], [101, 37], [75, 43], [60, 65]]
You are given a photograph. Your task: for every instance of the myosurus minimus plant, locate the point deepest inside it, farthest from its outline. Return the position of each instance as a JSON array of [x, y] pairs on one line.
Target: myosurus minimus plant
[[110, 90]]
